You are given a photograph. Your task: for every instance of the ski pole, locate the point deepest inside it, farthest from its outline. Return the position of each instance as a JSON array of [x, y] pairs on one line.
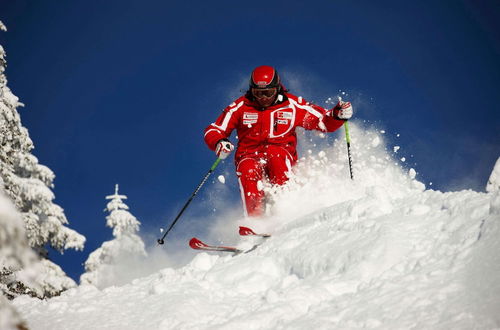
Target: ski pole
[[161, 240], [348, 140]]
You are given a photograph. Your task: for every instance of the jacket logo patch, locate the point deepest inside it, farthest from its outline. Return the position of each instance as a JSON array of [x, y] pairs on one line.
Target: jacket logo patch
[[282, 121], [250, 115], [250, 118], [284, 115]]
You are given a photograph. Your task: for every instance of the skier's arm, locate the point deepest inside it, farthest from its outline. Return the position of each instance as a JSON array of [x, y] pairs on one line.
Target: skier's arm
[[223, 126], [331, 122], [316, 117]]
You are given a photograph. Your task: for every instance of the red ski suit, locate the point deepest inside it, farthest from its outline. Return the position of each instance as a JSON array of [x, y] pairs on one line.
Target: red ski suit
[[266, 140]]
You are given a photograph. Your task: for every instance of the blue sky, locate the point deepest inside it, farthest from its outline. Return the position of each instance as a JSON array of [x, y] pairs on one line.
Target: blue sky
[[120, 91]]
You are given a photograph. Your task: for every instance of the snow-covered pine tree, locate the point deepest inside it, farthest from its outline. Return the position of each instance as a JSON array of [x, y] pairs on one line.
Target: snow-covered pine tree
[[15, 253], [114, 262], [28, 184]]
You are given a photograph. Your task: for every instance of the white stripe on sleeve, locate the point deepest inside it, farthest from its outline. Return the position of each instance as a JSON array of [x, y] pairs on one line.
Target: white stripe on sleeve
[[227, 118]]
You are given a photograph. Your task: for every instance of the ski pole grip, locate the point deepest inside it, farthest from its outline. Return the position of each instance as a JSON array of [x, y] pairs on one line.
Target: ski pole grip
[[347, 135], [348, 140], [215, 164]]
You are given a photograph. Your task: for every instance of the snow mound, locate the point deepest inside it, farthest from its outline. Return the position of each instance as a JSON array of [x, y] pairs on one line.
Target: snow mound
[[377, 252]]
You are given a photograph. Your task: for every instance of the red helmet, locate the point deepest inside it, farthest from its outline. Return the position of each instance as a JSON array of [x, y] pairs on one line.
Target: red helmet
[[265, 77]]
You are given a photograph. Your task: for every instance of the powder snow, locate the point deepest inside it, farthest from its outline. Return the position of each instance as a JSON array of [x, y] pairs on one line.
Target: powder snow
[[380, 252]]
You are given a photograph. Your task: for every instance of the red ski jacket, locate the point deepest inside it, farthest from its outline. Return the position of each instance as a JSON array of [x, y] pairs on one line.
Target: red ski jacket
[[275, 125]]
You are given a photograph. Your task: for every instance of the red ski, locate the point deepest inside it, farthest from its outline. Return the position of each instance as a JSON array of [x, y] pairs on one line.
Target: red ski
[[196, 244], [199, 245], [245, 231]]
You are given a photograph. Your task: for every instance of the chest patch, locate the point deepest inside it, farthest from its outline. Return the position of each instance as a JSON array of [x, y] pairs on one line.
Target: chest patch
[[285, 115], [283, 121], [250, 118]]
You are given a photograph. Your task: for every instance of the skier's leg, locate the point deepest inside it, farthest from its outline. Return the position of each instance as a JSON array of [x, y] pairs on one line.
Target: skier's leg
[[279, 165], [250, 172]]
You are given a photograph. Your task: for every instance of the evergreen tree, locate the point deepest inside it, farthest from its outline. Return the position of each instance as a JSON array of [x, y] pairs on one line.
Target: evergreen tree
[[15, 253], [114, 262], [28, 184]]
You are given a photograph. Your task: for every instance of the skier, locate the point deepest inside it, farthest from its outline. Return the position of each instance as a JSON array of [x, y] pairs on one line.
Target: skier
[[265, 119]]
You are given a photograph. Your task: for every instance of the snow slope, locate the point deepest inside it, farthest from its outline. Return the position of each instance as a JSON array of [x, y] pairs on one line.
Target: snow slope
[[377, 252]]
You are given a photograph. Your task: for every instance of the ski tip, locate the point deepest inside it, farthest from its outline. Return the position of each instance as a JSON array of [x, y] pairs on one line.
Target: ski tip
[[245, 231], [199, 245], [196, 243]]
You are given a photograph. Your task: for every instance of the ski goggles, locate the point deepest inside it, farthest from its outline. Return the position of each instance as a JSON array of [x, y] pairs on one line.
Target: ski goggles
[[264, 92]]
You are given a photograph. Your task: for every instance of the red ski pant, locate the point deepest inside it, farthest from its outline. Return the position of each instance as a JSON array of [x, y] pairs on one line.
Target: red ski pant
[[272, 165]]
